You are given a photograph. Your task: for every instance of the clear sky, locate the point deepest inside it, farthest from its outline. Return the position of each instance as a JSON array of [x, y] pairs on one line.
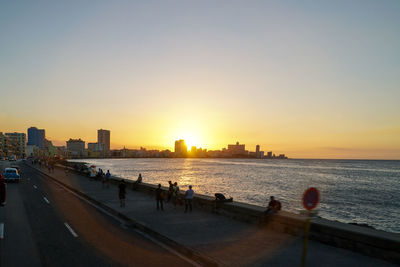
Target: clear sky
[[312, 79]]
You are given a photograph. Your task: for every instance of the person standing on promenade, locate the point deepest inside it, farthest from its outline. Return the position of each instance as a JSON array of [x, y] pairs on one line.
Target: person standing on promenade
[[137, 182], [170, 190], [122, 193], [175, 194], [189, 199], [2, 190], [159, 197], [108, 177]]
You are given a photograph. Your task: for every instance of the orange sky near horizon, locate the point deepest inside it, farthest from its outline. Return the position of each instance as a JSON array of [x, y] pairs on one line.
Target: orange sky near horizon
[[307, 79]]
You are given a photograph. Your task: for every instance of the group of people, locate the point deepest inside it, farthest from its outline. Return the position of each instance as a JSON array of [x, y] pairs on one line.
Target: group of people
[[173, 195]]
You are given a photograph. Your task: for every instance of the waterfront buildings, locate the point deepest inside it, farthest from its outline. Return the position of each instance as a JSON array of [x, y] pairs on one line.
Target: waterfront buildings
[[76, 147], [237, 150], [103, 137], [36, 137], [96, 147]]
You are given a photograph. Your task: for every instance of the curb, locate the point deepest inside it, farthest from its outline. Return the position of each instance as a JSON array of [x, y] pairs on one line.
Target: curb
[[188, 252]]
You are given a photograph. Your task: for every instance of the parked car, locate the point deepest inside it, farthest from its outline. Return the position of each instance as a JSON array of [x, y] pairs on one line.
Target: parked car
[[12, 175]]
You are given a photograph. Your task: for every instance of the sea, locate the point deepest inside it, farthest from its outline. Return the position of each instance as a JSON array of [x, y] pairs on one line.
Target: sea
[[351, 191]]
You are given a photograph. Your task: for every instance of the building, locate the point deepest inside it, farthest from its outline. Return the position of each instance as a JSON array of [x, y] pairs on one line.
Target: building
[[96, 147], [13, 144], [237, 149], [103, 137], [37, 137], [2, 145], [76, 147], [180, 148]]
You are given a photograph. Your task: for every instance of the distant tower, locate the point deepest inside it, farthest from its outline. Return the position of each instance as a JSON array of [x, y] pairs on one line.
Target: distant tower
[[180, 148], [257, 151], [103, 137]]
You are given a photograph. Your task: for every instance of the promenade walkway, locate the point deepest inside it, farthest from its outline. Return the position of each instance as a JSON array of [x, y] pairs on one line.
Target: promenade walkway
[[226, 241]]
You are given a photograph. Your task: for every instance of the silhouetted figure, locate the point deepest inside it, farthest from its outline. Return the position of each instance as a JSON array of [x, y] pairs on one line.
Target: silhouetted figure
[[108, 177], [175, 194], [189, 199], [170, 190], [159, 197], [273, 206], [2, 190], [138, 181], [122, 193], [221, 198]]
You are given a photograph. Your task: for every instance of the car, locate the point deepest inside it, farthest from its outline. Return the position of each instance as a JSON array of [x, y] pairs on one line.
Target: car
[[18, 169], [11, 175]]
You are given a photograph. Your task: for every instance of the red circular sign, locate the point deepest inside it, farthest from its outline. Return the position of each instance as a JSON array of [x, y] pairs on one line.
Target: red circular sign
[[310, 198]]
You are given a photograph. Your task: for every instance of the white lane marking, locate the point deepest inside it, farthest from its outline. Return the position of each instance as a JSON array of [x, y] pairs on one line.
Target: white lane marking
[[70, 229], [123, 225], [45, 199], [1, 230], [34, 186]]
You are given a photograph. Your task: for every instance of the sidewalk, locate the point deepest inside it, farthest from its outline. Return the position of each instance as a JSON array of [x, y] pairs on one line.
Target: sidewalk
[[226, 241]]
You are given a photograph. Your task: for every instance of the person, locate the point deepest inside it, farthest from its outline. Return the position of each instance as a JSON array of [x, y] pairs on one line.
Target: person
[[189, 199], [170, 190], [175, 194], [92, 173], [137, 182], [159, 197], [273, 206], [108, 177], [103, 179], [122, 193], [2, 190]]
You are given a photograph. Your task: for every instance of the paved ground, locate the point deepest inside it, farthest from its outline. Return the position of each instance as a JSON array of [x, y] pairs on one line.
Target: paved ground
[[35, 232], [230, 242]]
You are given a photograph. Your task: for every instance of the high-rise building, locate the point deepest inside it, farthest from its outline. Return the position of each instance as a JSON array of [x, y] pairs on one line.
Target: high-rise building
[[103, 137], [76, 147], [180, 148], [37, 137]]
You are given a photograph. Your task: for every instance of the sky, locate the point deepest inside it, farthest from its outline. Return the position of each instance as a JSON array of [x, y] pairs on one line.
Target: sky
[[311, 79]]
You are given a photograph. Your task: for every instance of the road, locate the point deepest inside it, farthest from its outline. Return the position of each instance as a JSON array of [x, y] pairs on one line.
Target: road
[[45, 224]]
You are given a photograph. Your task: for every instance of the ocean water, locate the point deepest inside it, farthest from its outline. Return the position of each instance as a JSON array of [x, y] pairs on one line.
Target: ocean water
[[352, 191]]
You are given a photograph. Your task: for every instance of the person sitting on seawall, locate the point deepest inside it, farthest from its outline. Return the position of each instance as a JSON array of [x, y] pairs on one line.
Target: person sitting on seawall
[[273, 206], [221, 198]]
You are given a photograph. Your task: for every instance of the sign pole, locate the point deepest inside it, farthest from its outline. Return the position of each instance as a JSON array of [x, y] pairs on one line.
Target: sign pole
[[305, 243], [310, 201]]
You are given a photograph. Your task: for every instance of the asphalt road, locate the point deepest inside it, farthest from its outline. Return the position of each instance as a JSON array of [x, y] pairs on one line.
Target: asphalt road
[[46, 225]]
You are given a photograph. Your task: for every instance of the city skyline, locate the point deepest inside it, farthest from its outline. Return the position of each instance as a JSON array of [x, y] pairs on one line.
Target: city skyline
[[311, 80]]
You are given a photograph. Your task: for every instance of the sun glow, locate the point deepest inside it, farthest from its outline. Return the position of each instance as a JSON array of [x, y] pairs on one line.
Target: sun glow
[[191, 139]]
